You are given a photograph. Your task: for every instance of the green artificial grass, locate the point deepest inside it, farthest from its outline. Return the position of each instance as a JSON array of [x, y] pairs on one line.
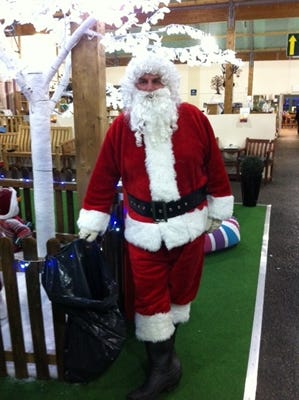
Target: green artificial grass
[[213, 346]]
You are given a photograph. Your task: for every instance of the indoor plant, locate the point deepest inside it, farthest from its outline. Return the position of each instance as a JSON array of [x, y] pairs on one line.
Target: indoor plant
[[251, 172]]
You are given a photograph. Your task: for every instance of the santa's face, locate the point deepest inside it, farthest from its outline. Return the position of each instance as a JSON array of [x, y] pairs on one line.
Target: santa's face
[[153, 113], [149, 83]]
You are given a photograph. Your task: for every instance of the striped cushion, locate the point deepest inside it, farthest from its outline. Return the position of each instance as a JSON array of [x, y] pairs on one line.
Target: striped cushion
[[227, 235]]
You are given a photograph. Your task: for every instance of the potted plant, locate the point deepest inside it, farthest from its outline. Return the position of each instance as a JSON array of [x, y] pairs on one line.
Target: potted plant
[[251, 172]]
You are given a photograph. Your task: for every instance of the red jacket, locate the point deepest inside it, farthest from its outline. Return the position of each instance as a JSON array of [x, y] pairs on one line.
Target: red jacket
[[189, 160]]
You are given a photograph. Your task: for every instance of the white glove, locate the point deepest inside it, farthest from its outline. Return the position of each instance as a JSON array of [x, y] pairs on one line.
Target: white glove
[[88, 234]]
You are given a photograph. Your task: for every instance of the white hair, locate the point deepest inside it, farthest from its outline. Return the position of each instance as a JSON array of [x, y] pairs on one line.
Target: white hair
[[151, 63]]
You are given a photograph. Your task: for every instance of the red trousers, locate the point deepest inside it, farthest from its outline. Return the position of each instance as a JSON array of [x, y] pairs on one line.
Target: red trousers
[[166, 277]]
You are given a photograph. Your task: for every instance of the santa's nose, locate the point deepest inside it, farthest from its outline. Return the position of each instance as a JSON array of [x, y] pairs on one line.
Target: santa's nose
[[150, 87]]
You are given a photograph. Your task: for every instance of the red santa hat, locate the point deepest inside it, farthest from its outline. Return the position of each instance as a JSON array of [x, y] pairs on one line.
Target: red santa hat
[[8, 203], [150, 63]]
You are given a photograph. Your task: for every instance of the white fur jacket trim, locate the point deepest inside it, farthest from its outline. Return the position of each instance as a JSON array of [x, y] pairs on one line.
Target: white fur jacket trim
[[175, 232]]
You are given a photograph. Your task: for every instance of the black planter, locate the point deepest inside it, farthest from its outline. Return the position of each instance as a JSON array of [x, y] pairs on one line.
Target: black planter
[[250, 187]]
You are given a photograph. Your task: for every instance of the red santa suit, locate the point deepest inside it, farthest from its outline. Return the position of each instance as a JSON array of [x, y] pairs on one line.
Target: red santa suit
[[166, 256]]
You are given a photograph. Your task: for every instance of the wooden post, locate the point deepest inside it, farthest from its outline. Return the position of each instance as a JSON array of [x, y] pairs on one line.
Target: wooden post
[[35, 309], [13, 308], [53, 247], [90, 113], [229, 76], [250, 75]]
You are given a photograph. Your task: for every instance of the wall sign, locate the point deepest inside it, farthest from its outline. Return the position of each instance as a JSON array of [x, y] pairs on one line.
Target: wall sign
[[293, 45]]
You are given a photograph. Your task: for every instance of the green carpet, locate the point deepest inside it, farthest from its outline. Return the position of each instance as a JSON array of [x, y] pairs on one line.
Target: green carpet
[[213, 346]]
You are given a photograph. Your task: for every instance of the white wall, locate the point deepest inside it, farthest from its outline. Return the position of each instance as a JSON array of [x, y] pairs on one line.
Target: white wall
[[276, 77], [230, 131], [270, 78]]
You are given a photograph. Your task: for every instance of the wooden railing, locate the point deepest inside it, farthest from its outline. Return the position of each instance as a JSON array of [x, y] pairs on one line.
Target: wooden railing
[[66, 215], [41, 357], [65, 203]]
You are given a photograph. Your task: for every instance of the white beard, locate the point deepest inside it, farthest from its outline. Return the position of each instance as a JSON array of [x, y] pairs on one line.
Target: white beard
[[154, 115]]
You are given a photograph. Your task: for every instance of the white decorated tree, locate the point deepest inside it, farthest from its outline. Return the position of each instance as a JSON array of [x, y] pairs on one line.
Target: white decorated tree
[[128, 35]]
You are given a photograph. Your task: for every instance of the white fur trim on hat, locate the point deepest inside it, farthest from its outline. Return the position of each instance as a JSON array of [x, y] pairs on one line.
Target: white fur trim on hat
[[93, 220], [150, 63], [154, 328]]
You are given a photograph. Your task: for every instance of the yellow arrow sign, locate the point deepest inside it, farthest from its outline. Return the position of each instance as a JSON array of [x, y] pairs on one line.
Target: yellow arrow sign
[[292, 42]]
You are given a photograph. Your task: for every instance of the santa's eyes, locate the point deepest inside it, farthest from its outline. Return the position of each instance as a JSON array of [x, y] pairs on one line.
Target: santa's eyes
[[145, 81]]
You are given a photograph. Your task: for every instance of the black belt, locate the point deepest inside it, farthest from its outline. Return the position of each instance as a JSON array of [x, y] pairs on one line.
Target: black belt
[[161, 211]]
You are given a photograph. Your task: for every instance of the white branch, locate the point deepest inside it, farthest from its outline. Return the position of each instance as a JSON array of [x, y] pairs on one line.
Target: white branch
[[73, 40], [62, 83], [12, 62]]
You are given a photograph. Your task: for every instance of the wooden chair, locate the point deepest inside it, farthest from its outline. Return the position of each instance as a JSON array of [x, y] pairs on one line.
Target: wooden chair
[[18, 153], [68, 150], [12, 122], [8, 140], [19, 150], [262, 148], [59, 135]]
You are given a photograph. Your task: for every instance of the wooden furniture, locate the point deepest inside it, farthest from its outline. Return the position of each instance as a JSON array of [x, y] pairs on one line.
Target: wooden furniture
[[12, 122], [8, 140], [288, 120], [230, 156], [262, 148], [59, 135], [18, 152], [68, 154]]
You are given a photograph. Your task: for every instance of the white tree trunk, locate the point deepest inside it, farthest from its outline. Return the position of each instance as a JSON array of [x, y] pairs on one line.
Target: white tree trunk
[[42, 167], [35, 86]]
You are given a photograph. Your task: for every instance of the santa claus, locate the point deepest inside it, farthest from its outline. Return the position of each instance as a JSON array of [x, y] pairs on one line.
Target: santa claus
[[174, 185]]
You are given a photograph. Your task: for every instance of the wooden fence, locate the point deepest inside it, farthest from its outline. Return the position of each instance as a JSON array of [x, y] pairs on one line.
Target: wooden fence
[[18, 355], [65, 203], [66, 216]]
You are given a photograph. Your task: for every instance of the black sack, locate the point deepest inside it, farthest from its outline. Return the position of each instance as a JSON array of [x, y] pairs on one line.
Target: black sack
[[79, 280]]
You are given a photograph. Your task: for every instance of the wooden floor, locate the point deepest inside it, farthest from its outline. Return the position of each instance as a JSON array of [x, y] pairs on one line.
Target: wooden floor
[[285, 132]]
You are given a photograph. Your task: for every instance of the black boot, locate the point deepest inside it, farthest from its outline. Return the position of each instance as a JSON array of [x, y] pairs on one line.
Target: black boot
[[165, 371]]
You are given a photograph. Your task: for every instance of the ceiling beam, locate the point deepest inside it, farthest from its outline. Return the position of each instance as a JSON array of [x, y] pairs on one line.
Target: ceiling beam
[[217, 11], [262, 55]]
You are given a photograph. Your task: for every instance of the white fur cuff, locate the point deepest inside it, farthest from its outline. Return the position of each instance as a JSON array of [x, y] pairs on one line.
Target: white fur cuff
[[93, 220], [220, 207], [180, 314], [154, 328]]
